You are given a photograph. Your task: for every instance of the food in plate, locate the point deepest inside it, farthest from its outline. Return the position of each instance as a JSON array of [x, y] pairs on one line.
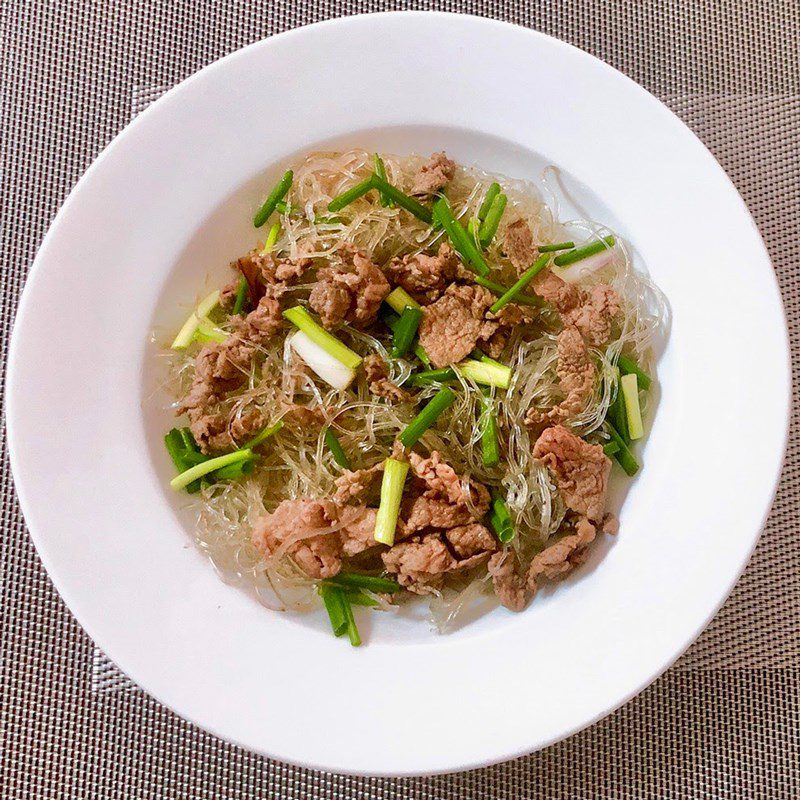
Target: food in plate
[[415, 384]]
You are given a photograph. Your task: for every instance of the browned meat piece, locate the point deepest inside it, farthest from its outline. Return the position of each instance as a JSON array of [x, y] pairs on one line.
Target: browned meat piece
[[440, 481], [351, 292], [221, 367], [247, 424], [358, 531], [227, 295], [468, 541], [303, 418], [355, 484], [425, 277], [417, 513], [434, 174], [590, 312], [305, 530], [379, 383], [580, 470], [509, 585], [559, 558], [436, 497], [518, 245], [581, 474], [262, 270], [510, 317], [575, 375], [420, 564], [453, 325]]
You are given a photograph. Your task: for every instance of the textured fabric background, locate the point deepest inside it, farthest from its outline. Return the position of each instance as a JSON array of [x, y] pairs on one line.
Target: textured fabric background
[[723, 723]]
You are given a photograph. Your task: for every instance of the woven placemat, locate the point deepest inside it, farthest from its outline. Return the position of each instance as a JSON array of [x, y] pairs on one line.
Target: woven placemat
[[722, 723]]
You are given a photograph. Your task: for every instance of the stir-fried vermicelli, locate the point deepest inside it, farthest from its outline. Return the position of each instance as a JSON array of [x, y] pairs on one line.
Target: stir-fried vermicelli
[[415, 384]]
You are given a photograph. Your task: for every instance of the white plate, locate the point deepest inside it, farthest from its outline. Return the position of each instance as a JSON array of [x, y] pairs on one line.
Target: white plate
[[170, 201]]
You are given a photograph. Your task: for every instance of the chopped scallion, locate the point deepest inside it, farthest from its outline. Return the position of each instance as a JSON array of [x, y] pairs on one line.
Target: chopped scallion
[[490, 444], [272, 237], [490, 224], [199, 470], [629, 386], [554, 248], [300, 318], [261, 437], [459, 237], [333, 598], [488, 374], [399, 298], [403, 335], [624, 456], [394, 478], [207, 331], [627, 366], [275, 196], [335, 446], [488, 199], [242, 297], [520, 285], [234, 471], [352, 628], [499, 289], [611, 448], [444, 375], [500, 518], [187, 332], [584, 252], [351, 195], [430, 413], [391, 319], [380, 171], [401, 199]]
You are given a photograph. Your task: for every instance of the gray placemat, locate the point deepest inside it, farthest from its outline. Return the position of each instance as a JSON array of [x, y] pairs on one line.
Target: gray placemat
[[723, 723]]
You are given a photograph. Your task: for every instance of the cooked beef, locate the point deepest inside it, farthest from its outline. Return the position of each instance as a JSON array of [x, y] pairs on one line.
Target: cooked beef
[[227, 295], [350, 292], [559, 558], [590, 312], [221, 367], [434, 174], [425, 277], [266, 269], [296, 527], [509, 317], [575, 375], [356, 484], [471, 540], [580, 471], [247, 424], [420, 564], [438, 497], [302, 418], [453, 325], [379, 383], [518, 245], [358, 532], [509, 585]]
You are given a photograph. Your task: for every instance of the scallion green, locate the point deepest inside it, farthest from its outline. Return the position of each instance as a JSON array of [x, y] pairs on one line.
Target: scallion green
[[372, 583], [584, 252], [399, 298], [488, 199], [263, 435], [459, 237], [272, 237], [352, 628], [335, 446], [492, 221], [500, 518], [627, 366], [442, 400], [187, 332], [499, 290], [520, 285], [401, 199], [275, 196], [403, 335], [490, 444], [351, 195], [624, 456], [554, 248], [487, 374], [199, 470], [380, 171], [333, 598], [444, 375], [242, 297]]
